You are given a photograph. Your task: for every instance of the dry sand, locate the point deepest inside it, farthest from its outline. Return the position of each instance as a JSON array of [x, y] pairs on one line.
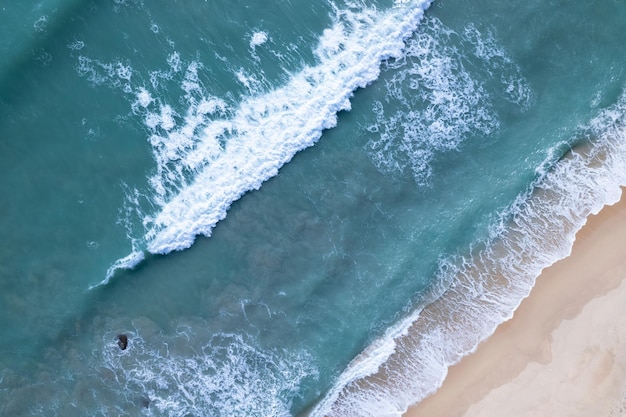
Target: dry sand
[[563, 354]]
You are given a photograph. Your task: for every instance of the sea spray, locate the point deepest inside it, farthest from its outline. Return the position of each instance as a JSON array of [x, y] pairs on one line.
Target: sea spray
[[477, 292]]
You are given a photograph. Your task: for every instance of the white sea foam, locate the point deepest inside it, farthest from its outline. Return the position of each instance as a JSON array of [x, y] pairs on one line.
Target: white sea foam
[[77, 45], [192, 371], [257, 39], [214, 374], [115, 74], [174, 61], [211, 156], [481, 290], [498, 62], [41, 23], [436, 103], [144, 99]]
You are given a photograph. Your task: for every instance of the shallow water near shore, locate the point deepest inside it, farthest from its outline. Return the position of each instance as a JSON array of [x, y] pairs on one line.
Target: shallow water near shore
[[257, 196]]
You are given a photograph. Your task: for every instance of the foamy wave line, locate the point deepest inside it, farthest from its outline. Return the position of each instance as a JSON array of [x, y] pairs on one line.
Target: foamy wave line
[[231, 156], [128, 262], [480, 291]]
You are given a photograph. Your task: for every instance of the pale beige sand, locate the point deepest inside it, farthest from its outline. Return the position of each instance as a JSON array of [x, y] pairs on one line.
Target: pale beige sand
[[563, 354]]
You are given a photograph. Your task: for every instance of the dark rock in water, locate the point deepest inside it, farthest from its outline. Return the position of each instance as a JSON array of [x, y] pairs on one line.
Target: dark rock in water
[[145, 403], [122, 341]]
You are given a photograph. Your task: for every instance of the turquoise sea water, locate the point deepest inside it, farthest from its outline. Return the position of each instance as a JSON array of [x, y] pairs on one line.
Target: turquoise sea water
[[288, 208]]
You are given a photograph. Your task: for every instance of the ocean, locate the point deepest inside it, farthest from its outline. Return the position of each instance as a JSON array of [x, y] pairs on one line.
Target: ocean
[[228, 208]]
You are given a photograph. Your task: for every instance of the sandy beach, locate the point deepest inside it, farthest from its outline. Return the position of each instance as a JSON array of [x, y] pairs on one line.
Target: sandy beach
[[563, 354]]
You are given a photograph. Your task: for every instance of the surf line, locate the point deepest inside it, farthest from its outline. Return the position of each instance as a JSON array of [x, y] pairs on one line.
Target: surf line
[[477, 292], [267, 130]]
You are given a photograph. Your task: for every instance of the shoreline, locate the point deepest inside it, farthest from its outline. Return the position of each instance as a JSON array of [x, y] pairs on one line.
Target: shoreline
[[564, 351]]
